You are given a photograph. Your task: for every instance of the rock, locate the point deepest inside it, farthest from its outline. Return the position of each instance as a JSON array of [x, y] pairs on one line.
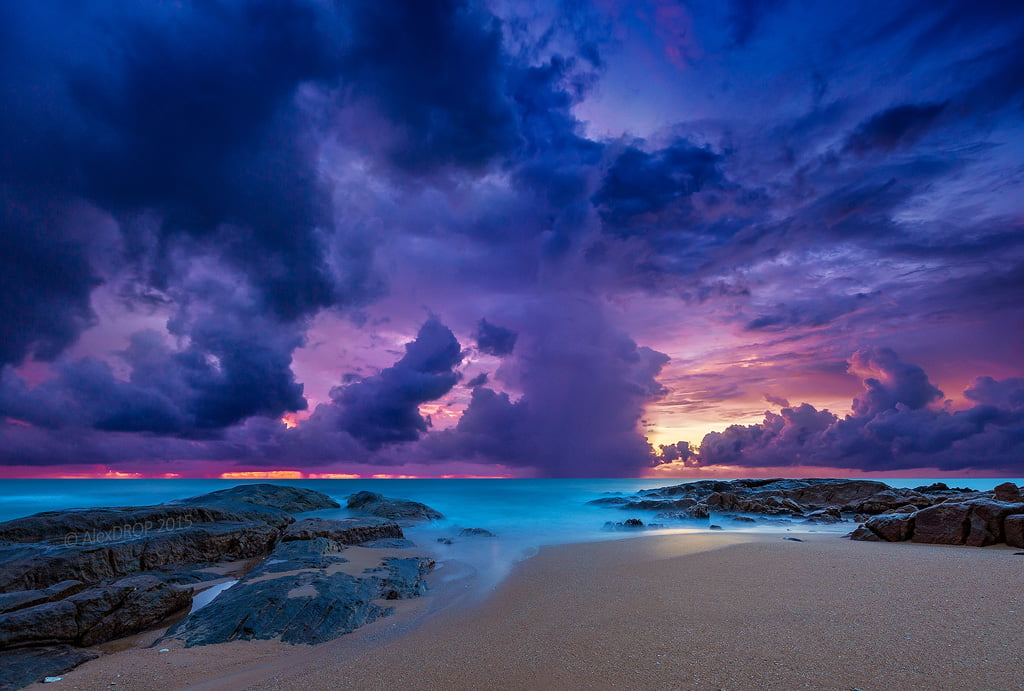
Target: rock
[[445, 540], [909, 508], [829, 515], [693, 512], [387, 507], [986, 521], [301, 594], [20, 599], [888, 499], [475, 532], [1013, 529], [609, 501], [893, 527], [793, 539], [24, 666], [862, 532], [346, 531], [1008, 492], [743, 519], [289, 499], [389, 543], [714, 527], [942, 524], [95, 615], [30, 567], [402, 577]]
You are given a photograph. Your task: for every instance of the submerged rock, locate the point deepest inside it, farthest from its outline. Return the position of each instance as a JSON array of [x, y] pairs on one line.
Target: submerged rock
[[476, 532], [388, 507]]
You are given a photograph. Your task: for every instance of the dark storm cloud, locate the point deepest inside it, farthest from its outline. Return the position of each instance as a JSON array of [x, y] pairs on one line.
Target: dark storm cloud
[[437, 70], [583, 389], [384, 409], [222, 377], [641, 189], [892, 426], [898, 126], [45, 280], [495, 340]]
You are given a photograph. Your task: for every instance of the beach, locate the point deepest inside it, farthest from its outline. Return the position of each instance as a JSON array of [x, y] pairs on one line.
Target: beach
[[721, 610]]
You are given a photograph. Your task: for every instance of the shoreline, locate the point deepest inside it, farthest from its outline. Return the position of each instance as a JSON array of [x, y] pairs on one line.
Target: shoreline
[[718, 610]]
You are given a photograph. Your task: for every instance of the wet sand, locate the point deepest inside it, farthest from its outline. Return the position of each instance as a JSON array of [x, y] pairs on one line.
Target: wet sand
[[709, 611]]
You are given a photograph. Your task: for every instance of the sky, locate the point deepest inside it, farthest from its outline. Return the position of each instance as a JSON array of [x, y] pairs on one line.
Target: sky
[[307, 238]]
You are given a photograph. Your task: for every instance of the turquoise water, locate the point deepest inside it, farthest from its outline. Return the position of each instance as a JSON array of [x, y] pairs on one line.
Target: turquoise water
[[524, 514]]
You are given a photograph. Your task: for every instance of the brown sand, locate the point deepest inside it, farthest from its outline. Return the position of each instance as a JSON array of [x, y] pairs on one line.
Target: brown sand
[[747, 612]]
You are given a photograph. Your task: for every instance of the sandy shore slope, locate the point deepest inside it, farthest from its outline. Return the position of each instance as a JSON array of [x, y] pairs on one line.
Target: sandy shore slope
[[713, 611]]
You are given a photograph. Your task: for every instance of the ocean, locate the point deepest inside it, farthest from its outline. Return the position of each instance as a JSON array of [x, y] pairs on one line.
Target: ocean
[[525, 515]]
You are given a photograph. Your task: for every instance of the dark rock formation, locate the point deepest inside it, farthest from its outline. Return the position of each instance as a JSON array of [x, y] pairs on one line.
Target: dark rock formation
[[396, 509], [1013, 529], [475, 532], [24, 666], [976, 522], [893, 527], [30, 567], [347, 531], [302, 594], [95, 615], [85, 576], [1008, 492]]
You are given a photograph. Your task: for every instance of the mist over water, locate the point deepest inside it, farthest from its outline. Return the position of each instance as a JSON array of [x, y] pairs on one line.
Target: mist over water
[[524, 515]]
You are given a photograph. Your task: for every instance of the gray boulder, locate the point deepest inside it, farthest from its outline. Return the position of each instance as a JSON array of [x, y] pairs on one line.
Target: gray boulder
[[388, 507]]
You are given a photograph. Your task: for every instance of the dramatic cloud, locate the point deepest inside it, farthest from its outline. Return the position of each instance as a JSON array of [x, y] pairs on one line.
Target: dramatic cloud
[[384, 409], [495, 340], [636, 220], [892, 426]]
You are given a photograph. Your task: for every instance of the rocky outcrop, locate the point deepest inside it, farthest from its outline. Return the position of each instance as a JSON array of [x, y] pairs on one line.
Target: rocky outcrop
[[73, 579], [95, 615], [346, 531], [1008, 492], [303, 594], [24, 666], [976, 522], [475, 532], [29, 567], [1013, 529], [773, 497], [396, 509]]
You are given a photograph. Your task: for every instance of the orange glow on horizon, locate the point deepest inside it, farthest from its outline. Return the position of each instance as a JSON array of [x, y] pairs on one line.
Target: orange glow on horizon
[[333, 476], [262, 475]]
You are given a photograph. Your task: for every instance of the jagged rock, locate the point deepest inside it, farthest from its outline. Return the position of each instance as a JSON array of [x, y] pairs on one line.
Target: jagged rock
[[30, 567], [893, 527], [95, 615], [887, 499], [942, 524], [909, 508], [20, 599], [346, 531], [743, 519], [865, 534], [1013, 529], [402, 577], [397, 509], [695, 511], [829, 515], [300, 595], [986, 521], [1008, 492], [475, 532], [24, 666], [609, 501]]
